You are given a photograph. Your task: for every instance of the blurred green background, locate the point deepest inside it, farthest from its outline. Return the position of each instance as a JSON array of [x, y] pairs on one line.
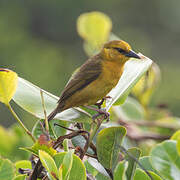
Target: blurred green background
[[39, 41]]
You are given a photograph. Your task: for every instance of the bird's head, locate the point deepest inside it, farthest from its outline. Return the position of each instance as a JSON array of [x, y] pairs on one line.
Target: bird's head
[[118, 50]]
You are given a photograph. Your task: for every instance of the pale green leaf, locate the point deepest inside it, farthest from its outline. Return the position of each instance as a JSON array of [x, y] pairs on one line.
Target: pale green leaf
[[166, 160], [133, 71]]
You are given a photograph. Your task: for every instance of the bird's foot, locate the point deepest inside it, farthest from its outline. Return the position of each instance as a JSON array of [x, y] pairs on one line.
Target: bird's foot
[[99, 104], [102, 112], [99, 113]]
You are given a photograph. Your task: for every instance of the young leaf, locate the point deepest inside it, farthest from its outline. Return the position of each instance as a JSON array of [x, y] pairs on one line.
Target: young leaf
[[166, 160], [8, 84], [42, 144], [77, 172], [48, 162], [108, 141], [120, 171], [135, 152], [67, 164], [94, 28]]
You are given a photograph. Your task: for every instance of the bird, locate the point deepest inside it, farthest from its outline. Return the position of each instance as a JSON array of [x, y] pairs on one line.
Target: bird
[[95, 78]]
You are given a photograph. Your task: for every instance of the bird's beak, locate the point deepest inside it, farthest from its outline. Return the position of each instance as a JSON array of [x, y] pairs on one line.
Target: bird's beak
[[132, 54]]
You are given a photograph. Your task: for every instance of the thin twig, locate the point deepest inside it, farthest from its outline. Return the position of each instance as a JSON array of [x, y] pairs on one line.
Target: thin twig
[[155, 124], [68, 136], [135, 134], [20, 122], [44, 109]]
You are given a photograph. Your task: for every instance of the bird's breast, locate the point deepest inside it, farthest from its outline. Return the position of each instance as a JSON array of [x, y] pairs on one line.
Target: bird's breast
[[111, 72]]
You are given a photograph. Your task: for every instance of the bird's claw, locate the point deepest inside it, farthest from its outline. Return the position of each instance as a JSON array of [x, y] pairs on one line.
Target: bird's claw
[[105, 113]]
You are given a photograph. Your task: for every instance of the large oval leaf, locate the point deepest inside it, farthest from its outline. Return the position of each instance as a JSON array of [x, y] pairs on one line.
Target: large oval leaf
[[28, 97], [130, 110], [165, 159], [94, 27], [140, 174], [108, 141]]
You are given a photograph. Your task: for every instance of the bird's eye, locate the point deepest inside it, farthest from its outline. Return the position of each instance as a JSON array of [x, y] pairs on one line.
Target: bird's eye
[[122, 51]]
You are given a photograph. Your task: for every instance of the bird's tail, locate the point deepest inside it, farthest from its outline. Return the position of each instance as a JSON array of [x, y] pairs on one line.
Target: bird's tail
[[53, 114]]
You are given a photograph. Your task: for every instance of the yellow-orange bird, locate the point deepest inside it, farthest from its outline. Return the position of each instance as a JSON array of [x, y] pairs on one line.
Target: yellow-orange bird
[[96, 77]]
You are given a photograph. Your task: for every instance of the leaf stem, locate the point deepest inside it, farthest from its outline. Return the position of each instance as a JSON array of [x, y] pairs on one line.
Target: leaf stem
[[20, 122], [44, 109]]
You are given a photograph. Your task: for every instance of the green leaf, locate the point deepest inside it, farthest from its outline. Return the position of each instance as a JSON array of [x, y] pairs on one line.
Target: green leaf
[[140, 174], [80, 141], [130, 110], [90, 169], [145, 87], [77, 172], [94, 27], [108, 141], [54, 130], [120, 171], [99, 176], [67, 164], [133, 71], [95, 164], [65, 145], [166, 160], [145, 162], [8, 85], [7, 169], [135, 152], [48, 162], [20, 177], [41, 144], [28, 97], [23, 164]]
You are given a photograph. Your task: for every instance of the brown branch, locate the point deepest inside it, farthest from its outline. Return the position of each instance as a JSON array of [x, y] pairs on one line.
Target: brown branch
[[68, 136], [155, 124], [134, 133]]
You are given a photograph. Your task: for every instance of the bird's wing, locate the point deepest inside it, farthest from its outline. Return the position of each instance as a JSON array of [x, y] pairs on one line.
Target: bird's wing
[[86, 74]]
